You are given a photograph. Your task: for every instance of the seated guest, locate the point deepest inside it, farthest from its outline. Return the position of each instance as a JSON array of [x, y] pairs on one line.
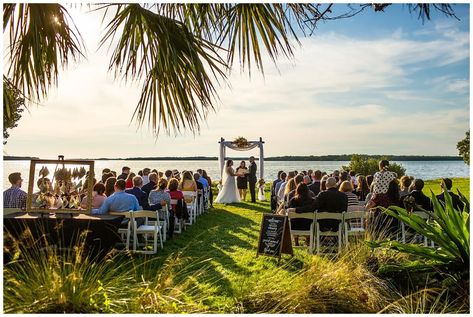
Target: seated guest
[[347, 189], [176, 174], [420, 199], [14, 197], [98, 195], [203, 179], [353, 179], [209, 181], [140, 195], [369, 180], [125, 172], [200, 186], [344, 176], [106, 176], [307, 180], [362, 190], [290, 188], [446, 185], [153, 181], [330, 200], [315, 186], [187, 184], [301, 199], [119, 201], [145, 177], [381, 222], [160, 194], [168, 175], [129, 180], [110, 186], [106, 171], [323, 183], [298, 180], [272, 193], [160, 175], [404, 185]]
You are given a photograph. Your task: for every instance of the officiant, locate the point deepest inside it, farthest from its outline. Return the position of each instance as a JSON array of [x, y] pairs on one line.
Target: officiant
[[252, 178], [242, 180]]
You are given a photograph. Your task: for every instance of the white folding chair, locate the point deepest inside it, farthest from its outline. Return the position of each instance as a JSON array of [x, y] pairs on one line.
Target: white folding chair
[[424, 216], [328, 216], [154, 229], [192, 206], [163, 214], [177, 222], [125, 233], [354, 223], [310, 232]]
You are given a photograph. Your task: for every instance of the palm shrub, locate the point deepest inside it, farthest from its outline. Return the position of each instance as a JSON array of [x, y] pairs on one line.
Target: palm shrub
[[448, 228]]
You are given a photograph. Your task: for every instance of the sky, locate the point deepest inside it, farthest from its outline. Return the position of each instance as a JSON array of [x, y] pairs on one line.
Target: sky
[[377, 83]]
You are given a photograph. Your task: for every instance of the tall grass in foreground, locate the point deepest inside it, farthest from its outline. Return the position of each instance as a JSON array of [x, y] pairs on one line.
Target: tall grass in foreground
[[70, 280]]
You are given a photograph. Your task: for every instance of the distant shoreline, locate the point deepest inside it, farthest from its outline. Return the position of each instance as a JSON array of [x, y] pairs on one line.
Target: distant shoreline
[[312, 158]]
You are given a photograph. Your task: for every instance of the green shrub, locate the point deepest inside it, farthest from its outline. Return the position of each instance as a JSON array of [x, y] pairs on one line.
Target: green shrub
[[366, 165], [448, 228]]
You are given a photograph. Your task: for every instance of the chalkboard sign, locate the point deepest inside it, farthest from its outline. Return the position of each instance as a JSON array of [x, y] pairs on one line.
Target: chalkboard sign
[[275, 237]]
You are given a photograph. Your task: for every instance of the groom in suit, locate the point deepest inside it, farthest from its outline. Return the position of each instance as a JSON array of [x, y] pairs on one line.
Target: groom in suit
[[252, 178]]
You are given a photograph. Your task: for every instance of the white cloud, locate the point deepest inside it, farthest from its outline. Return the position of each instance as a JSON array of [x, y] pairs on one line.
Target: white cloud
[[337, 97]]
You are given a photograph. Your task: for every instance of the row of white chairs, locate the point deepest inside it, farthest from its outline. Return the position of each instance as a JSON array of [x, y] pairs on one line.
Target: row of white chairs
[[156, 223], [352, 223]]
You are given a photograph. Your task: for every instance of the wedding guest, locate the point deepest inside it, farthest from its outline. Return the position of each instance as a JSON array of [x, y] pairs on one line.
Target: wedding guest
[[125, 172], [154, 171], [381, 182], [290, 187], [98, 197], [114, 173], [282, 189], [301, 199], [323, 183], [353, 179], [160, 195], [129, 180], [168, 175], [273, 198], [120, 201], [381, 222], [153, 181], [421, 200], [110, 186], [446, 185], [344, 176], [278, 184], [140, 173], [187, 184], [209, 182], [14, 197], [315, 186], [105, 177], [310, 172], [160, 175], [405, 184], [336, 175], [297, 180], [176, 174], [105, 171], [173, 189], [369, 180], [242, 180], [362, 190], [145, 176], [347, 188], [139, 193], [330, 200], [307, 180]]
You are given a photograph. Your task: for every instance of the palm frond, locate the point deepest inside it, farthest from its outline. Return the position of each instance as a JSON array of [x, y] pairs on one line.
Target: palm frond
[[41, 41], [177, 68]]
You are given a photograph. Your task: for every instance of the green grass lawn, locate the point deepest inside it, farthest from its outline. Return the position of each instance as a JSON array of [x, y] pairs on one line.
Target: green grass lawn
[[217, 270], [462, 184]]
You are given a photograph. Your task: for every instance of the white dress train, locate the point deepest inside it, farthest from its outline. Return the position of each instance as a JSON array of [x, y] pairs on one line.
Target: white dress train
[[229, 192]]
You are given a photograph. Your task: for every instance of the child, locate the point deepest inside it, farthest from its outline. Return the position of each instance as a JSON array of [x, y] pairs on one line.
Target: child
[[261, 190]]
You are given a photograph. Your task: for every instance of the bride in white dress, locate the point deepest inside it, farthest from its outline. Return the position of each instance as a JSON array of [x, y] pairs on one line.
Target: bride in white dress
[[229, 193]]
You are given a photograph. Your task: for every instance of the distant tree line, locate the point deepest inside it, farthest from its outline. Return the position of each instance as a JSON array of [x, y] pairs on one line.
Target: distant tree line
[[341, 157]]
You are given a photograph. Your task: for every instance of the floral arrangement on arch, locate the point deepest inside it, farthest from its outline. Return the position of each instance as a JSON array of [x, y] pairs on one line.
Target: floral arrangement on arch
[[241, 142]]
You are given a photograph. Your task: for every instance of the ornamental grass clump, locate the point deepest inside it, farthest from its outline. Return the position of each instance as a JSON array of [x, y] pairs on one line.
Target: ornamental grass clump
[[50, 279]]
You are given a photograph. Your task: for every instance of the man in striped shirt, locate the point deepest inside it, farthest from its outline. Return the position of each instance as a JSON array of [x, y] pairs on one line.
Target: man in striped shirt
[[14, 197]]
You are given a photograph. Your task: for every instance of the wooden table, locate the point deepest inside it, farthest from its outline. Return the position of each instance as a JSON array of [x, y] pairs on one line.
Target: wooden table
[[64, 230]]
